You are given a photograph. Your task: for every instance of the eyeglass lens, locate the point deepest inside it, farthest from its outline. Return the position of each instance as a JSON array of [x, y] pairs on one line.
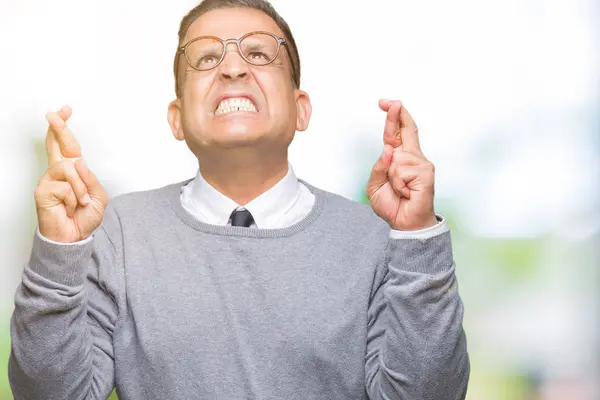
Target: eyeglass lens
[[257, 49]]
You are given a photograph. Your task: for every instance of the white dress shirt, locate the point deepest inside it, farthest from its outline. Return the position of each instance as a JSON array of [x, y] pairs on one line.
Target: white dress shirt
[[285, 204]]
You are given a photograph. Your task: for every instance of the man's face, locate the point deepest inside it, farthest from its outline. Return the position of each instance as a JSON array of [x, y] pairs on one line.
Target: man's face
[[203, 115]]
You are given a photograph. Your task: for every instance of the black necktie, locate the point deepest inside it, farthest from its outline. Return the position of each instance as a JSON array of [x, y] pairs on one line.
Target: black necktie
[[241, 218]]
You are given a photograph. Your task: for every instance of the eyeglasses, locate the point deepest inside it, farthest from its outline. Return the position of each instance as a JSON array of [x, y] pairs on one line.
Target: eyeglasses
[[257, 48]]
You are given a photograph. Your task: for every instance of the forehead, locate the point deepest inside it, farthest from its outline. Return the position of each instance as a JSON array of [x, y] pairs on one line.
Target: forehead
[[231, 23]]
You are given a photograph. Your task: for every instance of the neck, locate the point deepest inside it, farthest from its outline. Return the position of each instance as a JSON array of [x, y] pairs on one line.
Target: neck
[[242, 176]]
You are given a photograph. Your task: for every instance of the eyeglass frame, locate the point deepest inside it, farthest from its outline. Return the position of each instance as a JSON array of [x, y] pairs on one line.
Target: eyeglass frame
[[237, 42]]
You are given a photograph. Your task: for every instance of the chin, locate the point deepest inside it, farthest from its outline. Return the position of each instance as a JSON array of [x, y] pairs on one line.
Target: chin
[[237, 135]]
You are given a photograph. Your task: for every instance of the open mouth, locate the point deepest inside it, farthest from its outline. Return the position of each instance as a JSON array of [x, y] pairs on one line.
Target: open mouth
[[233, 104]]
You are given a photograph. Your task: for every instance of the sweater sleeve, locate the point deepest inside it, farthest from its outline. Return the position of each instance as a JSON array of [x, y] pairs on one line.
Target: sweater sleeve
[[416, 346], [66, 309]]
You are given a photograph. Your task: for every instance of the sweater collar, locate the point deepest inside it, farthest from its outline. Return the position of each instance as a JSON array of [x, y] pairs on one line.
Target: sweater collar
[[266, 209]]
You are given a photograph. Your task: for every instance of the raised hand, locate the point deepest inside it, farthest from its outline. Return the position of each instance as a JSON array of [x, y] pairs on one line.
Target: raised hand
[[401, 185], [70, 201]]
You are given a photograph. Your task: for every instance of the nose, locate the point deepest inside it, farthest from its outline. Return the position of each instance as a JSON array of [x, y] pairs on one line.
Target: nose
[[233, 65]]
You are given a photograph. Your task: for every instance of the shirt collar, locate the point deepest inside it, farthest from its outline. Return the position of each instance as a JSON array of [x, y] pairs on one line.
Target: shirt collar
[[266, 209]]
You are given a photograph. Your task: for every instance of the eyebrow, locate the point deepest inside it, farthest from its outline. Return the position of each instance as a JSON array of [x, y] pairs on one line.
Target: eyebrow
[[254, 46]]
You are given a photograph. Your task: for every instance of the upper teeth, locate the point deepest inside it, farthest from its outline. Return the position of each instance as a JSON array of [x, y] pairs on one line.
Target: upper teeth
[[235, 104]]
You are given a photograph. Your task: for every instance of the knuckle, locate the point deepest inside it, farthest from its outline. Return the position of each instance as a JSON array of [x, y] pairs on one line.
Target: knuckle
[[39, 192], [53, 165], [62, 165], [43, 188], [67, 190], [68, 164], [42, 181], [68, 168]]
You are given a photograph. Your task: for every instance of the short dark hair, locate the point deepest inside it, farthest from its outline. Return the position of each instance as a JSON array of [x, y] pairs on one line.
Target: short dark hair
[[260, 5]]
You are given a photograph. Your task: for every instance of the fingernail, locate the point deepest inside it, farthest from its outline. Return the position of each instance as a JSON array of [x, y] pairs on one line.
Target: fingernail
[[86, 199]]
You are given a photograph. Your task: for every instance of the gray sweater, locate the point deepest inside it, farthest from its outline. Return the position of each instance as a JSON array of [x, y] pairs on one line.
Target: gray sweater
[[163, 306]]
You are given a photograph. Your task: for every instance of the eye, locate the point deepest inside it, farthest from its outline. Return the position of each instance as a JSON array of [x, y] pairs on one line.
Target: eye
[[208, 60], [258, 56]]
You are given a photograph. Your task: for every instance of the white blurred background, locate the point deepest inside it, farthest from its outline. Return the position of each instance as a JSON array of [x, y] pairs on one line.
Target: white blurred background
[[506, 94]]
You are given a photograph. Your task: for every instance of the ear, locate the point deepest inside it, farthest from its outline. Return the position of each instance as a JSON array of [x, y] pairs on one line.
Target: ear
[[303, 110], [174, 116]]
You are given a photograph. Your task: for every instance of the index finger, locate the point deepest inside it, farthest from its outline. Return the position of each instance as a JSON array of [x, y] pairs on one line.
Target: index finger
[[59, 133]]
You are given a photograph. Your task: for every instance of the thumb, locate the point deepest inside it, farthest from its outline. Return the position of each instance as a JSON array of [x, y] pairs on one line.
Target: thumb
[[94, 188], [379, 174]]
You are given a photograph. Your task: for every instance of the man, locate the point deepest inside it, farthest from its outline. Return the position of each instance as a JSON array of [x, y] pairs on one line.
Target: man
[[244, 282]]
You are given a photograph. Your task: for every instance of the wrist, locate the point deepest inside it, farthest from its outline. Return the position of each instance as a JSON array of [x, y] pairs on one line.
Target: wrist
[[430, 222]]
